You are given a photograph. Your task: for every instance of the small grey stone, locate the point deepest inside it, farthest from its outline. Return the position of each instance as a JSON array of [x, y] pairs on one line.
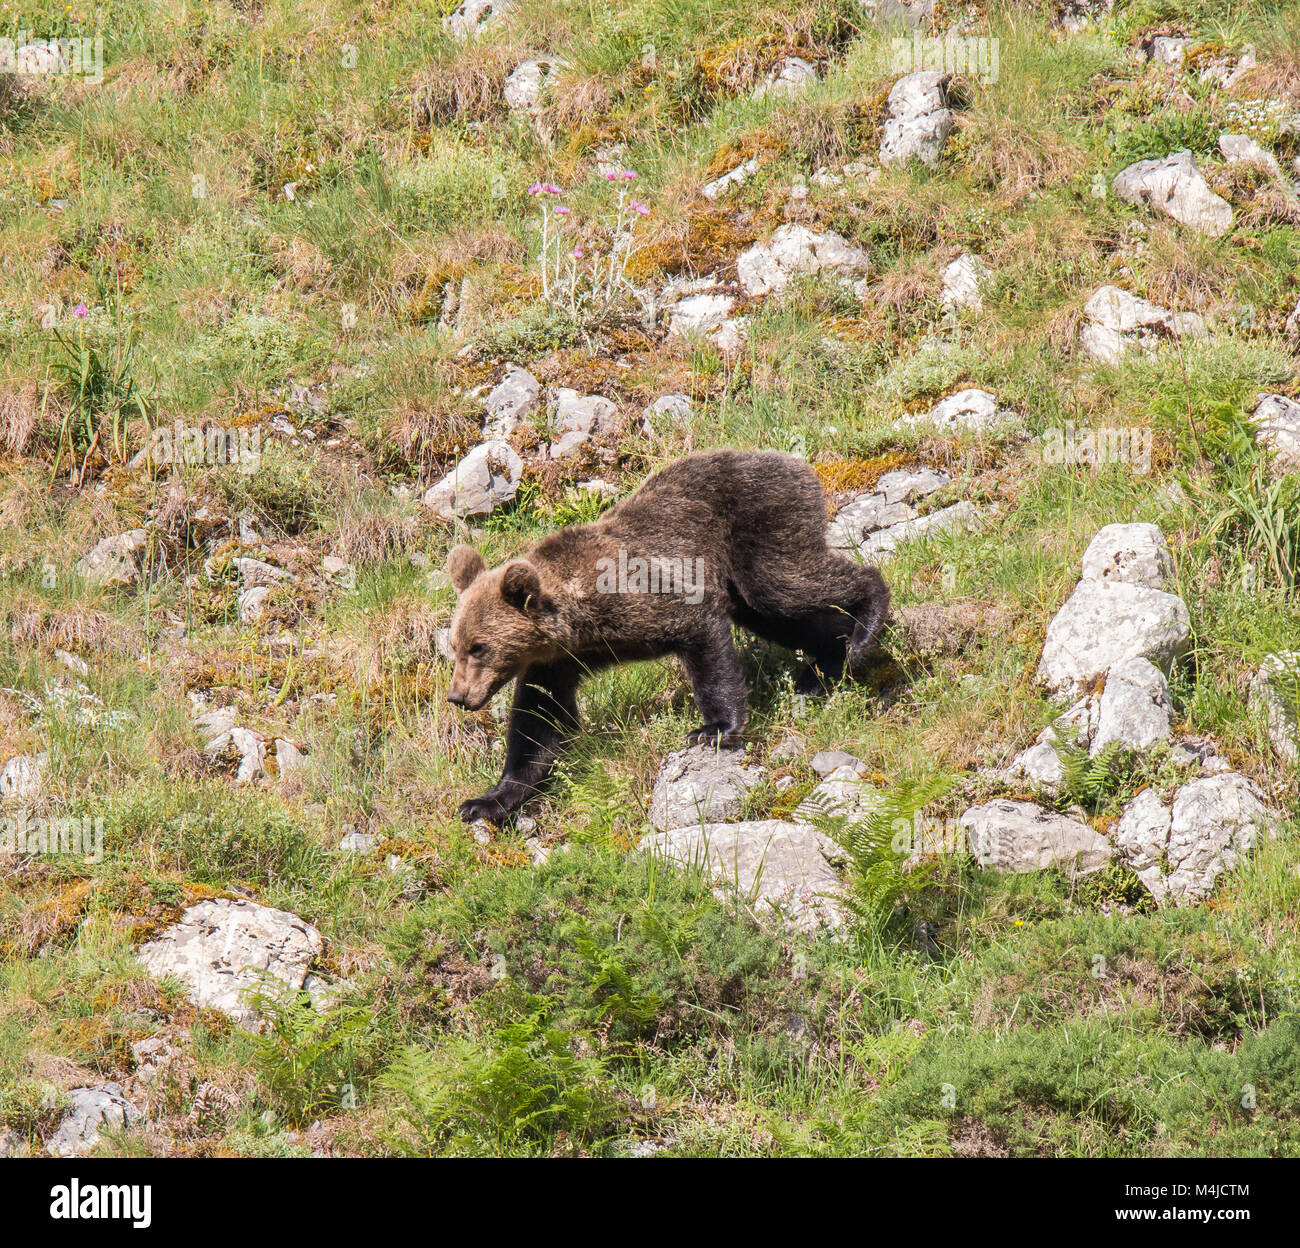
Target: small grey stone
[[115, 560], [92, 1109], [701, 785], [510, 402], [485, 479], [827, 761]]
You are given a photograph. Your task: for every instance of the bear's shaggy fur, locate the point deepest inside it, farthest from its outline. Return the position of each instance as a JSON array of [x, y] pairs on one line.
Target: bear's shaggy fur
[[716, 538]]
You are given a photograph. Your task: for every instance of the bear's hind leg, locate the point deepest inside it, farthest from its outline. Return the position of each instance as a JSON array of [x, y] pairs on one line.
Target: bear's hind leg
[[718, 684]]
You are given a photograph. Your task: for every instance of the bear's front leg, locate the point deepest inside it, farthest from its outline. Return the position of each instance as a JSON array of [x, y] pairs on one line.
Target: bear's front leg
[[718, 683], [544, 715]]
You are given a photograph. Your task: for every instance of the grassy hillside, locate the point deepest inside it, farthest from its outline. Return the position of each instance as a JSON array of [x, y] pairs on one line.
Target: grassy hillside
[[311, 224]]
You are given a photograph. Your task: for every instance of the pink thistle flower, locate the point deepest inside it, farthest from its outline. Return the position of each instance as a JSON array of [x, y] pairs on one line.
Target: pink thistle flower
[[562, 211], [80, 311], [611, 175], [627, 175], [535, 189], [637, 206], [577, 253], [551, 189]]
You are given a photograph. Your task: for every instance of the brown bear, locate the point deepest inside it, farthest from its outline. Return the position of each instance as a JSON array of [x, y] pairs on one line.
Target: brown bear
[[716, 538]]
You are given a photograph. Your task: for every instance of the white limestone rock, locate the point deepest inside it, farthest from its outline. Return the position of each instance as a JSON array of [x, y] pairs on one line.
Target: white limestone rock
[[485, 479], [90, 1111], [221, 949], [1179, 849], [782, 869], [1275, 693], [1106, 622], [963, 282], [510, 402], [1136, 554], [1239, 149], [882, 546], [1174, 186], [1118, 321], [576, 419], [22, 777], [471, 19], [1277, 421], [734, 177], [1136, 707], [789, 76], [793, 249], [969, 411], [115, 560], [701, 784], [916, 138], [1021, 836]]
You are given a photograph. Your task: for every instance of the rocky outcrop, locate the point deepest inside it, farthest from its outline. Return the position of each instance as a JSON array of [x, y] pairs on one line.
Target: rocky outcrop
[[1179, 849], [472, 18], [782, 869], [1174, 186], [1136, 710], [1020, 836], [224, 950], [789, 76], [510, 402]]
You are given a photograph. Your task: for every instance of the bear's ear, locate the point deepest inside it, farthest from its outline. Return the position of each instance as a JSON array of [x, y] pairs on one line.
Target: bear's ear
[[464, 564], [522, 588]]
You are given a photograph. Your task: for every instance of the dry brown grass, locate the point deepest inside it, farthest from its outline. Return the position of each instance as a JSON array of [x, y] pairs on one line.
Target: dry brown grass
[[706, 240], [19, 416], [465, 87], [1185, 272], [376, 535], [1014, 157], [1277, 75]]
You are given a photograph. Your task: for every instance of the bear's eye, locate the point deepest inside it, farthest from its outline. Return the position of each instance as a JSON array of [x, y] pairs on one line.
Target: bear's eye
[[477, 650]]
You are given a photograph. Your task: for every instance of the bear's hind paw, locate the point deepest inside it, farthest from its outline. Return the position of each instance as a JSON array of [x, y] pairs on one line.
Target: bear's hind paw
[[723, 736]]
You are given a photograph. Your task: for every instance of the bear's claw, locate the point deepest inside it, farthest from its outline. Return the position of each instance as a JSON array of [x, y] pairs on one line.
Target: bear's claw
[[488, 807], [723, 736]]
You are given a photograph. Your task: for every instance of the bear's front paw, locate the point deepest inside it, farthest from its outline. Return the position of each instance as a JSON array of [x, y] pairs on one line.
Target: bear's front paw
[[722, 736], [489, 806]]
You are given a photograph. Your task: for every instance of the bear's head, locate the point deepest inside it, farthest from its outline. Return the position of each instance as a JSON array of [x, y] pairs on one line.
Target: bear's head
[[500, 627]]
